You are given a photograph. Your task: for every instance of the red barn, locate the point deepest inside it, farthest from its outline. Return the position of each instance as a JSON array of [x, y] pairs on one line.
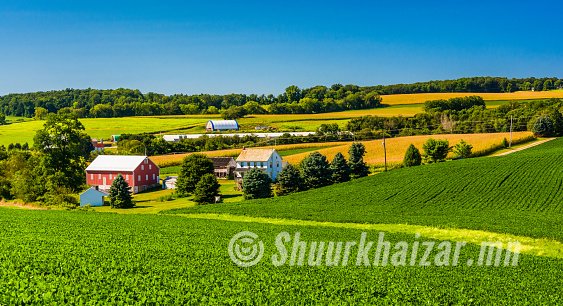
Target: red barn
[[140, 172]]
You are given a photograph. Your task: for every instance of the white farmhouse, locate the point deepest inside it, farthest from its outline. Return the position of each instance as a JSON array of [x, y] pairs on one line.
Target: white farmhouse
[[267, 160]]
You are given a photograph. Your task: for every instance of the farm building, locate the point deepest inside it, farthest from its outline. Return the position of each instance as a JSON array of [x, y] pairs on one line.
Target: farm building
[[221, 125], [139, 171], [178, 137], [98, 145], [169, 182], [267, 160], [93, 197], [224, 167]]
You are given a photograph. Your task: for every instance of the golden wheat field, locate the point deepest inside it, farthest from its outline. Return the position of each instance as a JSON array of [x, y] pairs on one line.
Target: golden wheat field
[[421, 98], [396, 147], [176, 159]]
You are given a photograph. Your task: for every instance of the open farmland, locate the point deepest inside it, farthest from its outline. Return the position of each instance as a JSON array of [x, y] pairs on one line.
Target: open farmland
[[397, 146], [519, 194], [50, 257], [101, 127], [396, 105]]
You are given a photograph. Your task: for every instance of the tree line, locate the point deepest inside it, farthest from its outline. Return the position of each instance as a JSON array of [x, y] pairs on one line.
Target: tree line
[[121, 102]]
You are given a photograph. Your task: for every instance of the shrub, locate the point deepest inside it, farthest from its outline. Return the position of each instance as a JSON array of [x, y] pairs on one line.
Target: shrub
[[435, 150], [206, 189], [412, 157], [256, 184], [463, 149]]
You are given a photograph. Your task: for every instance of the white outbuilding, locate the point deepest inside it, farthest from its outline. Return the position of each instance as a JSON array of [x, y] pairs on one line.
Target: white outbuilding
[[93, 197], [222, 125]]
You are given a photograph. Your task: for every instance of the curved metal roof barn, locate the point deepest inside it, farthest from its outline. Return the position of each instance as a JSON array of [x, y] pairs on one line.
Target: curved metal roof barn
[[222, 125]]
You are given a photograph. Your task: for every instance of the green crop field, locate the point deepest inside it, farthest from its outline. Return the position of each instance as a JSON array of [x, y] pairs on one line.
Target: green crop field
[[520, 193], [59, 257]]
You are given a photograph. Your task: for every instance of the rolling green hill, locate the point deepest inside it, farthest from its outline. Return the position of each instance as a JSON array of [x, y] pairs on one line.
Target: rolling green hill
[[62, 257], [521, 194]]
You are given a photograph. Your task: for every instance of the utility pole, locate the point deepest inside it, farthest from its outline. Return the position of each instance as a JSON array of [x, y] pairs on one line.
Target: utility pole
[[510, 143], [384, 151]]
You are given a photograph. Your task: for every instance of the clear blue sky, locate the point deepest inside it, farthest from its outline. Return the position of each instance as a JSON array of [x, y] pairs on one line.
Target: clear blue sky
[[260, 47]]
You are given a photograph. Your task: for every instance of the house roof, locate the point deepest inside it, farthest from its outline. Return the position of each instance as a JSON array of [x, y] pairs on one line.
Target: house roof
[[116, 163], [255, 154], [221, 162], [94, 190], [223, 124]]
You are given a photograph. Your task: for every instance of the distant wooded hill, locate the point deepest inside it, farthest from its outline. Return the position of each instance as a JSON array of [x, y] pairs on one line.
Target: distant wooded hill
[[318, 99]]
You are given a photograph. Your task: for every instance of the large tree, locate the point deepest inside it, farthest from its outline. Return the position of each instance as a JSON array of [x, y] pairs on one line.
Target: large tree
[[316, 170], [256, 184], [357, 165], [290, 180], [65, 147], [120, 194], [340, 169], [206, 189], [194, 167]]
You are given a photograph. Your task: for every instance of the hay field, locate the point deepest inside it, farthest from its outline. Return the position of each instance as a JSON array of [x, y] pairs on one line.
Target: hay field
[[396, 147], [421, 98]]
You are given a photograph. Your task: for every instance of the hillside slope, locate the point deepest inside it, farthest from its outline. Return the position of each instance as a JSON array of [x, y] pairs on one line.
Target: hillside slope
[[521, 194]]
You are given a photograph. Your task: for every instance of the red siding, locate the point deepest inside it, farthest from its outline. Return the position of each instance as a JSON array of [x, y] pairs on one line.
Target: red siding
[[146, 175]]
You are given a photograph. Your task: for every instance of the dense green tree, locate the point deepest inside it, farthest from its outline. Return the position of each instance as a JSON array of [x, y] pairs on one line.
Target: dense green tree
[[412, 157], [2, 119], [358, 167], [120, 194], [194, 167], [65, 147], [436, 150], [40, 113], [256, 184], [290, 180], [543, 126], [340, 169], [315, 170], [463, 149], [206, 189], [233, 112], [293, 93]]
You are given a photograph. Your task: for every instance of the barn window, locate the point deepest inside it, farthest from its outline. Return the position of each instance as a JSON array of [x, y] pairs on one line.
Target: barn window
[[150, 167], [127, 177], [139, 178], [154, 176], [110, 176], [91, 176], [146, 177], [100, 176], [142, 168]]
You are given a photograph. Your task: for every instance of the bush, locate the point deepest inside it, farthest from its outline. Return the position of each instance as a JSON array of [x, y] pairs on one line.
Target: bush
[[316, 170], [436, 150], [290, 180], [256, 185], [194, 167], [206, 189], [412, 157], [463, 149]]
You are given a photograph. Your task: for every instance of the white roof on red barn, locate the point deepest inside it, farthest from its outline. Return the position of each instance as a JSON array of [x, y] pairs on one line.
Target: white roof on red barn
[[116, 163]]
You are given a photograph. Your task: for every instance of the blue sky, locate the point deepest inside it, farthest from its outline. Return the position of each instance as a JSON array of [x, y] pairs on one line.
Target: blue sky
[[259, 47]]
